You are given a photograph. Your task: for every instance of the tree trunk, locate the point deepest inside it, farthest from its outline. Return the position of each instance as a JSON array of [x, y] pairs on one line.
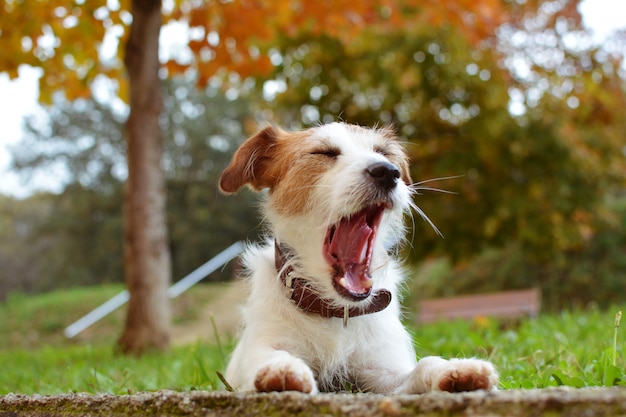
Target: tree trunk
[[146, 255]]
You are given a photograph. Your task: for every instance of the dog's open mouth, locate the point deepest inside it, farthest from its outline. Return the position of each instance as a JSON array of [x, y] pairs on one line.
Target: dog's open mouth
[[348, 249]]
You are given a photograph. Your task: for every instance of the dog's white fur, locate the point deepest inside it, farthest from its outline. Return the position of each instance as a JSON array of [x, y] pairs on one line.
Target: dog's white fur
[[310, 189]]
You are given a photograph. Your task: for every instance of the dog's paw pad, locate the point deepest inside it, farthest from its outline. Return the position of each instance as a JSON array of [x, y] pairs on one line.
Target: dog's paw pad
[[285, 376], [468, 375]]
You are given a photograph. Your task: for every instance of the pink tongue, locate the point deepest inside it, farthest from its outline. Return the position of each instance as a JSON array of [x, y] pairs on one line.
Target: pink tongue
[[349, 250]]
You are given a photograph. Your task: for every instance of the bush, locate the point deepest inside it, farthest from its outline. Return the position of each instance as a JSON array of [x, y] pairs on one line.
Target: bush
[[593, 273]]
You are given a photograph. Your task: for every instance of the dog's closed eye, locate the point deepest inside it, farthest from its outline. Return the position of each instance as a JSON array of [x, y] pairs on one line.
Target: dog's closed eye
[[329, 152], [381, 150]]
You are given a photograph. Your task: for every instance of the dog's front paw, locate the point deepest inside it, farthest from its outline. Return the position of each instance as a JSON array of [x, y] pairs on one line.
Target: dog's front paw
[[458, 375], [285, 373], [433, 373]]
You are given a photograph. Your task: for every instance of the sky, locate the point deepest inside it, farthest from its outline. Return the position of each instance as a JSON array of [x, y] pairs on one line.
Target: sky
[[18, 98]]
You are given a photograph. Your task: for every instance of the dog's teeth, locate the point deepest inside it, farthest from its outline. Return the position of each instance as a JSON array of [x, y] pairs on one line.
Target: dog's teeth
[[343, 282], [368, 283]]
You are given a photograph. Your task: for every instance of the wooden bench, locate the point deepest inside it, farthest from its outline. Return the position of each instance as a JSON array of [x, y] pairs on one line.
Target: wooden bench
[[507, 304]]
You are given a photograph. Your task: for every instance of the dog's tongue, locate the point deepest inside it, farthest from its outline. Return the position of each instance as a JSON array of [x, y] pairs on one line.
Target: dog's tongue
[[348, 249]]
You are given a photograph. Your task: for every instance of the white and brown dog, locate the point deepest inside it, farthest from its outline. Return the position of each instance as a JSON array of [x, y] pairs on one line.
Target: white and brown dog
[[323, 313]]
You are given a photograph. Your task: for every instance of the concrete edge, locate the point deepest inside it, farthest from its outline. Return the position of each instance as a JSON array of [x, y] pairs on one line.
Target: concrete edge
[[561, 401]]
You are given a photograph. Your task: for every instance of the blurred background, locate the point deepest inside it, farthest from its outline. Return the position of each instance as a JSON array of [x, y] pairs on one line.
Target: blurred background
[[522, 102]]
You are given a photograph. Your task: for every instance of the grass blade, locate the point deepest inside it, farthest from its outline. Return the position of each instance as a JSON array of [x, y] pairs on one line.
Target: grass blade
[[618, 319]]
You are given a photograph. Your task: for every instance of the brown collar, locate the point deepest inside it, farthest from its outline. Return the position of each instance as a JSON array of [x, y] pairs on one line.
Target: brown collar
[[308, 299]]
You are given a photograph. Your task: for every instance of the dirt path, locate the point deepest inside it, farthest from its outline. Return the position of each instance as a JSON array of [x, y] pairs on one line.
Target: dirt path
[[567, 402]]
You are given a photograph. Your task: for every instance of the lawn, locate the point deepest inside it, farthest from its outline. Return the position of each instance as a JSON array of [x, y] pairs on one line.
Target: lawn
[[35, 357], [572, 348]]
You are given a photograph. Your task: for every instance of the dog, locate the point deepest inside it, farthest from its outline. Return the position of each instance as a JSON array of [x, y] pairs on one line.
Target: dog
[[323, 312]]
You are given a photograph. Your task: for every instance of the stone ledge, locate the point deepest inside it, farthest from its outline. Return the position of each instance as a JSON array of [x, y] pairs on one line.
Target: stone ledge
[[551, 402]]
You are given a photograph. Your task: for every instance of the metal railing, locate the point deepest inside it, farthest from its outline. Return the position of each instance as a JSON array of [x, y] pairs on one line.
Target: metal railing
[[174, 291]]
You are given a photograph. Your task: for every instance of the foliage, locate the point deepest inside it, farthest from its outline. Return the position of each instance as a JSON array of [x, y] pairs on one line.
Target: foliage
[[50, 234], [223, 41], [83, 138], [573, 348], [590, 274], [201, 129], [235, 37], [538, 153], [83, 142], [34, 38], [514, 98], [19, 251]]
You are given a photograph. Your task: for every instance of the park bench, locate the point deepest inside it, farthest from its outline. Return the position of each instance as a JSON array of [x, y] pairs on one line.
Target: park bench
[[506, 304]]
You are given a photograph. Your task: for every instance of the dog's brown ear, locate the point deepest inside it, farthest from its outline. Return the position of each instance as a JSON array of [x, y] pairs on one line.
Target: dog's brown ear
[[251, 162]]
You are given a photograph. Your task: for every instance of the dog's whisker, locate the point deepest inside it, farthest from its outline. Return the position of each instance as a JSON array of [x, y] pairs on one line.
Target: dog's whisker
[[412, 217], [452, 177], [426, 218], [437, 190]]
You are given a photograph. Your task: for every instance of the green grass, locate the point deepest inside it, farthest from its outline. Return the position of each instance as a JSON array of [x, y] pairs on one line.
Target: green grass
[[37, 358], [33, 321], [96, 369], [572, 348], [28, 322]]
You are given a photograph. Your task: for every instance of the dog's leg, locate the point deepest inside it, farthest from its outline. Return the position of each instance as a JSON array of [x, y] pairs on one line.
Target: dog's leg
[[269, 369], [433, 373], [388, 365]]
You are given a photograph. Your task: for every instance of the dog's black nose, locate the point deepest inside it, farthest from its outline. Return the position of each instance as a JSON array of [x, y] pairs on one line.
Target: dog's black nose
[[385, 174]]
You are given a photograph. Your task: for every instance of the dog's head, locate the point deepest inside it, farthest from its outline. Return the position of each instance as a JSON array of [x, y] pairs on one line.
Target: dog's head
[[337, 194]]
